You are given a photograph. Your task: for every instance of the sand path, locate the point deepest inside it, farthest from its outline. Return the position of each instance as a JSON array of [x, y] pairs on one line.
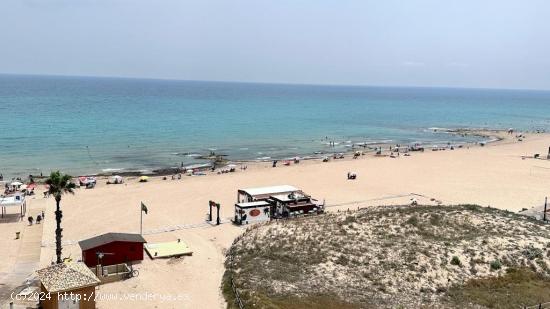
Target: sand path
[[27, 257]]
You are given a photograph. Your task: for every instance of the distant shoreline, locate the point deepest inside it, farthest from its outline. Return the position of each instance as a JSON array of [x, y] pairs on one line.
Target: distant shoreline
[[484, 136], [201, 162], [134, 126]]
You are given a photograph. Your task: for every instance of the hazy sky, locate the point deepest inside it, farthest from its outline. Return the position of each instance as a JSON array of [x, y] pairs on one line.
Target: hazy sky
[[463, 43]]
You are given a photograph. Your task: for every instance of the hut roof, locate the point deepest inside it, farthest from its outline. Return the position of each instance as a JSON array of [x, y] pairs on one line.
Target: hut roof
[[65, 277], [109, 238]]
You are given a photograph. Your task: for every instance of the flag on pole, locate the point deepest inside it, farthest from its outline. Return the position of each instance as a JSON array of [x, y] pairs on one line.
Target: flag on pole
[[143, 208]]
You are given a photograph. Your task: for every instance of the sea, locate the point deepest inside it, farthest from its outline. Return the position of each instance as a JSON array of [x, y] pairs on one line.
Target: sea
[[89, 125]]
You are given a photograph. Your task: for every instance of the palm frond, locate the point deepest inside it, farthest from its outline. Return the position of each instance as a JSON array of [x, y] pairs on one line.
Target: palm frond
[[60, 184]]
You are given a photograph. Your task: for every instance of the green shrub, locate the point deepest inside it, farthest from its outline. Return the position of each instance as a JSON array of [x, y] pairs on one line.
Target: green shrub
[[435, 219], [456, 261], [496, 265], [412, 221]]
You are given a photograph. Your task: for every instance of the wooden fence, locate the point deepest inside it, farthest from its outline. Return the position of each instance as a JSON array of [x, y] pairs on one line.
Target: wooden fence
[[230, 256], [111, 273], [539, 306]]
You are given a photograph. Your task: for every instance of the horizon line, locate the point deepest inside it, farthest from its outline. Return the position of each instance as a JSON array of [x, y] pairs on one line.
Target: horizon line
[[272, 83]]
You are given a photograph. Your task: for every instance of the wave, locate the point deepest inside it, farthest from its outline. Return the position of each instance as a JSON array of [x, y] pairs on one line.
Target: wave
[[108, 170], [439, 129], [382, 141]]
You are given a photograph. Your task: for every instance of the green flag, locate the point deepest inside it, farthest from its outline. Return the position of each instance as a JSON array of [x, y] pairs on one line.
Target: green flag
[[143, 208]]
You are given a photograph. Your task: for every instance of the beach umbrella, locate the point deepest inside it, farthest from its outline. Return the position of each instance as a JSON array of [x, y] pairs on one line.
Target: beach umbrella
[[231, 165], [143, 178], [16, 183], [116, 179]]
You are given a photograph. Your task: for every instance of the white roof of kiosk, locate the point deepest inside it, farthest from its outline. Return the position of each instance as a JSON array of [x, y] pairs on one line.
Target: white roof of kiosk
[[269, 190], [12, 200], [252, 204]]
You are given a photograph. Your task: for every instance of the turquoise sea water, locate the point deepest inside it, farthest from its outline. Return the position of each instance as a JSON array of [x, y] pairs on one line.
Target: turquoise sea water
[[88, 125]]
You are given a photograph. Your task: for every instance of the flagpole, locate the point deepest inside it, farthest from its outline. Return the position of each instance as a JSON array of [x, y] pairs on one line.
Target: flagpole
[[141, 219]]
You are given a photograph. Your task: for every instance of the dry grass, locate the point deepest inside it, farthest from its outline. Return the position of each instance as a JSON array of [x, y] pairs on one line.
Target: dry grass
[[383, 256], [515, 289]]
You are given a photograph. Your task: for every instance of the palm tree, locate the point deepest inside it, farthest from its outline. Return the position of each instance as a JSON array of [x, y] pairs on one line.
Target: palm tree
[[59, 184]]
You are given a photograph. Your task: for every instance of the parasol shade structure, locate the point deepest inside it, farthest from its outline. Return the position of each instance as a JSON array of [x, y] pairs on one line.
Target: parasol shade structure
[[143, 178]]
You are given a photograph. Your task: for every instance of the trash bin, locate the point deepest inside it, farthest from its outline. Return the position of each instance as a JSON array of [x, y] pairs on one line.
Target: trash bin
[[17, 235]]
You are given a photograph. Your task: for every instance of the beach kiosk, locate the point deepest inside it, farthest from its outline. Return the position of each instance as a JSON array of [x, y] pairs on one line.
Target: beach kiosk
[[294, 204], [250, 212], [265, 203], [67, 286], [263, 193]]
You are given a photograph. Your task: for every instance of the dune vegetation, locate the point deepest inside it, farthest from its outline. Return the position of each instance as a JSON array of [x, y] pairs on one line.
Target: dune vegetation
[[462, 256]]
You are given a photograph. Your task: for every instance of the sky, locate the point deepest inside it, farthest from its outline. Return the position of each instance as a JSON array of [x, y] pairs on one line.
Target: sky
[[431, 43]]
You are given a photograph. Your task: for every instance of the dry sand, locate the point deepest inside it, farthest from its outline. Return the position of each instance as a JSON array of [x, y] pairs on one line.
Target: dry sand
[[494, 175]]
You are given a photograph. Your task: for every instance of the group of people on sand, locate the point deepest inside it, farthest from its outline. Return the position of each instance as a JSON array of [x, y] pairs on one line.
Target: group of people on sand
[[176, 176], [39, 218]]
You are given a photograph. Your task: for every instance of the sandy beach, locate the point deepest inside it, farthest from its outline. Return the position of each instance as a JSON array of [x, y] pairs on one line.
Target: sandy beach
[[494, 175], [289, 155]]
